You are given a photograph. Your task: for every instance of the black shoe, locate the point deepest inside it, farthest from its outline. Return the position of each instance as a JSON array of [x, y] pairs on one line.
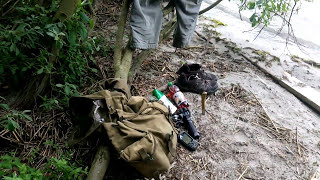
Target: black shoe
[[192, 78]]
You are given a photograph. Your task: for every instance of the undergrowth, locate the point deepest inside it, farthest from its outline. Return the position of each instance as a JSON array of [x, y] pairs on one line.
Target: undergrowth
[[30, 38], [11, 168], [33, 44]]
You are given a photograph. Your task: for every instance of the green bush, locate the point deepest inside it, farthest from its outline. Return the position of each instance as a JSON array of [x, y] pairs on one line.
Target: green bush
[[11, 168], [29, 39]]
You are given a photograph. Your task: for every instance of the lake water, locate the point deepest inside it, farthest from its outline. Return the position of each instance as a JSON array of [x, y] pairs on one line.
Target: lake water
[[306, 25]]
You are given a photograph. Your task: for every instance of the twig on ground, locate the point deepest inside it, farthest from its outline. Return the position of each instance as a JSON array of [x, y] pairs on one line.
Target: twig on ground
[[203, 102], [243, 173], [265, 112], [211, 117], [298, 147]]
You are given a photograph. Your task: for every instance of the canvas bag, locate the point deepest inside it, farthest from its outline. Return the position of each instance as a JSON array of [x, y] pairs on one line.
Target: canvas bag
[[139, 130]]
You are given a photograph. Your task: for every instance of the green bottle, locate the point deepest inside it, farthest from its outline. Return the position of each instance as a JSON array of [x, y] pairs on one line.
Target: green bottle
[[159, 95]]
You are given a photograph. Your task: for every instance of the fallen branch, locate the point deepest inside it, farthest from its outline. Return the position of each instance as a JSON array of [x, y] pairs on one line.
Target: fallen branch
[[100, 164]]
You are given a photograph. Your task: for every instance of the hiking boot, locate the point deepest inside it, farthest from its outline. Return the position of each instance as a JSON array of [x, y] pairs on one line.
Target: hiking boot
[[192, 78], [194, 70]]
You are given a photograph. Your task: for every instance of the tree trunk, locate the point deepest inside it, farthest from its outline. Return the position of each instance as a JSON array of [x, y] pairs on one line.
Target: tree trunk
[[118, 61]]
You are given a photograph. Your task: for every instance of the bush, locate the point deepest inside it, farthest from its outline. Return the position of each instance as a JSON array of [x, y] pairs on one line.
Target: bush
[[30, 40], [11, 168]]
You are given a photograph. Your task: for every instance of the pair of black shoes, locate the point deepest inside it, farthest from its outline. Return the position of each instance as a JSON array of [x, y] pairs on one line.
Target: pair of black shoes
[[192, 78]]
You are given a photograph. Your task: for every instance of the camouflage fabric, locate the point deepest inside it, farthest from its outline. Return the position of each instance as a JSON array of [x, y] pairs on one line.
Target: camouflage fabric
[[139, 130]]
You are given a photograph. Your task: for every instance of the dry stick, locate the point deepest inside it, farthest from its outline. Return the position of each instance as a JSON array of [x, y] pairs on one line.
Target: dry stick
[[19, 136], [38, 130], [44, 136], [204, 38], [5, 131], [243, 173], [298, 147], [211, 116], [203, 102], [9, 139], [14, 134], [268, 129]]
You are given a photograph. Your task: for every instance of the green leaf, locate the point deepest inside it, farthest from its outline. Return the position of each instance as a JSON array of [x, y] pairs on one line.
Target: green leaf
[[12, 125], [1, 69], [60, 24], [6, 165], [59, 85], [20, 27], [72, 38], [91, 24], [48, 142], [59, 44], [5, 106], [26, 111], [67, 90], [251, 5], [94, 70], [84, 17], [40, 71], [23, 69], [284, 7], [17, 51], [28, 117], [12, 47], [51, 34], [253, 19], [259, 3], [83, 31]]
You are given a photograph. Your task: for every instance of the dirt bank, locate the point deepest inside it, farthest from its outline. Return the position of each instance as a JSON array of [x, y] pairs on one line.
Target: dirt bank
[[253, 128]]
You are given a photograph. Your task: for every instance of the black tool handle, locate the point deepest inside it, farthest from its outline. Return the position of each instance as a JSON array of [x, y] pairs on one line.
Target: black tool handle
[[189, 124]]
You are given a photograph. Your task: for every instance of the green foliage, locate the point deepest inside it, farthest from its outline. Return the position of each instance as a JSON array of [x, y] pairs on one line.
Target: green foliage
[[61, 168], [24, 46], [213, 22], [10, 117], [66, 90], [209, 29], [265, 10], [50, 103], [30, 41], [11, 168], [308, 61]]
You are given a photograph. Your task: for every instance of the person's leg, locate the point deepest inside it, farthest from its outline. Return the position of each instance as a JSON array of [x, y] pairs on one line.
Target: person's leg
[[187, 14], [145, 23]]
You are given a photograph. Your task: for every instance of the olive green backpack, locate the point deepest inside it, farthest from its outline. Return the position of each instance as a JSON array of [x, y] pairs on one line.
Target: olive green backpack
[[139, 130]]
